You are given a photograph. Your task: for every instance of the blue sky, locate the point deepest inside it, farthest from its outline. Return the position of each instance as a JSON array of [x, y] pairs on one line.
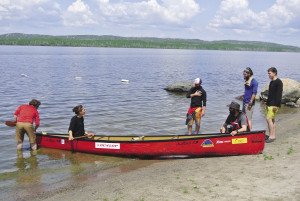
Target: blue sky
[[260, 20]]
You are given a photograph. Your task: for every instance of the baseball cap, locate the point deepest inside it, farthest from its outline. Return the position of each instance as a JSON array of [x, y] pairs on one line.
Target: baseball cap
[[197, 81]]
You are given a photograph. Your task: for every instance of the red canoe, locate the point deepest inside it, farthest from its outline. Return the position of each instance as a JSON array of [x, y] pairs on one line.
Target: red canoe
[[167, 145]]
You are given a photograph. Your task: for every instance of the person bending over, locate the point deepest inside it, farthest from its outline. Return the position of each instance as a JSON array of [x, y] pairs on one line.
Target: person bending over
[[236, 121], [25, 115]]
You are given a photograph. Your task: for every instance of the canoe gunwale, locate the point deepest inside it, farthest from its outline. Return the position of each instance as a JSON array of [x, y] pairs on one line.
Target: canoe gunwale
[[142, 137]]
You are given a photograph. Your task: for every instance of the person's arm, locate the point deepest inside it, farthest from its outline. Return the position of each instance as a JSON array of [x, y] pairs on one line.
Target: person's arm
[[279, 93], [190, 94], [89, 134], [71, 128], [17, 112], [254, 92], [243, 129], [223, 129], [204, 102], [71, 135], [243, 124], [37, 120], [224, 126]]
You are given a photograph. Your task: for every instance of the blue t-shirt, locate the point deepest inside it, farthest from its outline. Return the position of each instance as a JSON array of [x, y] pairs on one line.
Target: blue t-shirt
[[250, 90]]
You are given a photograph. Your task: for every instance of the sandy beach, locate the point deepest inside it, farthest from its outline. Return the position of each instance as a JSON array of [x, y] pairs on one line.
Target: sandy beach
[[273, 175]]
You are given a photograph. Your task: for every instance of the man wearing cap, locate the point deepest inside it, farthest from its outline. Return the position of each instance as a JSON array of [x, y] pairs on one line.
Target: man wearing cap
[[251, 86], [236, 121], [197, 106]]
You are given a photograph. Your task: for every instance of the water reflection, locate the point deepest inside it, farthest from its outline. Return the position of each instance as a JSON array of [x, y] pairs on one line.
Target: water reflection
[[28, 170]]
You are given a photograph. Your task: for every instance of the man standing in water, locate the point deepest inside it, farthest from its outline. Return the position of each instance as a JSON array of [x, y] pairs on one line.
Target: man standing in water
[[273, 102], [251, 86], [25, 115], [197, 107]]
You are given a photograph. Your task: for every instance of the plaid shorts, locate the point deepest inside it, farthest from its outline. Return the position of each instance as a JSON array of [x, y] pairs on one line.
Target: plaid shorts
[[198, 115]]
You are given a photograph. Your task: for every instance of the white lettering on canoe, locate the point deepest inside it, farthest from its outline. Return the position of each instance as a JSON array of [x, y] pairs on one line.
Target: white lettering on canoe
[[223, 142], [100, 145], [62, 141]]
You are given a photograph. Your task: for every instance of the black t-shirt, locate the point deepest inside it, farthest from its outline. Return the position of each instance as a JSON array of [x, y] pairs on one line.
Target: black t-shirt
[[197, 101], [77, 126], [275, 93], [241, 119]]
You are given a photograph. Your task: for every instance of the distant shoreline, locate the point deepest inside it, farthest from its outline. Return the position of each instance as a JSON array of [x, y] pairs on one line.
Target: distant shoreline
[[19, 39]]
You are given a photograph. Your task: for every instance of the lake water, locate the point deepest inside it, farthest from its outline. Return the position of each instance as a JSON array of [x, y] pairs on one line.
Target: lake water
[[62, 77]]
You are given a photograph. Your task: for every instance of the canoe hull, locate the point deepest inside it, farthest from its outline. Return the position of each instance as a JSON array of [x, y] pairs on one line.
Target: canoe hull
[[197, 145]]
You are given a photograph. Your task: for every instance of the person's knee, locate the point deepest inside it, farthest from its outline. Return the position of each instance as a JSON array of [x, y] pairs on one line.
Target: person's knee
[[19, 146]]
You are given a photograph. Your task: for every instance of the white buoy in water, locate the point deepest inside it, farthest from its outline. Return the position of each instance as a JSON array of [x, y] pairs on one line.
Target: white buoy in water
[[24, 75], [78, 78], [124, 81]]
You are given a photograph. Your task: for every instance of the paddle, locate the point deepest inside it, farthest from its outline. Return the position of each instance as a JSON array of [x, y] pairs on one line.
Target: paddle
[[10, 123], [80, 137]]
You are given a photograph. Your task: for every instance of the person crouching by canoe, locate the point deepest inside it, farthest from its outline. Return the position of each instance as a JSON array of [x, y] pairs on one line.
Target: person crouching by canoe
[[236, 121], [25, 115], [76, 128], [197, 106]]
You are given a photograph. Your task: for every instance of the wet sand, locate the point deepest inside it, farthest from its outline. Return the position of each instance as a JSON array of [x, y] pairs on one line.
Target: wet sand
[[273, 175]]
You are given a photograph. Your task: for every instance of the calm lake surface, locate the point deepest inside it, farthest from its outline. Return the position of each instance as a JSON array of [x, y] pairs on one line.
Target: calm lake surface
[[62, 77]]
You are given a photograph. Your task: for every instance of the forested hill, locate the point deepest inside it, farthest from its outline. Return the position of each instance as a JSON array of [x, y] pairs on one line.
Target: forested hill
[[140, 42]]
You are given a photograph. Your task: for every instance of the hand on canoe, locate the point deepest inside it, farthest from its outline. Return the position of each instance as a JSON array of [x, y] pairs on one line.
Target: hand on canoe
[[89, 134], [233, 133]]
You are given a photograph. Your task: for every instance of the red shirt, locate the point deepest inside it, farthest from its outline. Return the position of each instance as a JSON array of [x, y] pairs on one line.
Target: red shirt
[[28, 113]]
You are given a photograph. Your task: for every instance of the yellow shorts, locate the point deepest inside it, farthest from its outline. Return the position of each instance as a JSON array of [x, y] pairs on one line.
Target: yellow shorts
[[271, 112], [198, 115]]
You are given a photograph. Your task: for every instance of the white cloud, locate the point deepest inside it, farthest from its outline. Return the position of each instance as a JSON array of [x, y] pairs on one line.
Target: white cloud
[[236, 15], [149, 12], [79, 7], [18, 10], [78, 14], [144, 15]]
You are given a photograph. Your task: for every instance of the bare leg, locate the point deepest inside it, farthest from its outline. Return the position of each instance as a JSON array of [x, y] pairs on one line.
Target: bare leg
[[19, 146], [250, 124], [274, 134], [271, 127], [33, 146], [19, 153], [190, 129], [197, 129]]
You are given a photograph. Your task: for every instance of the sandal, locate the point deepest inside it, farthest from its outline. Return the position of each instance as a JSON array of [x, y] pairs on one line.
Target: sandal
[[269, 140]]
